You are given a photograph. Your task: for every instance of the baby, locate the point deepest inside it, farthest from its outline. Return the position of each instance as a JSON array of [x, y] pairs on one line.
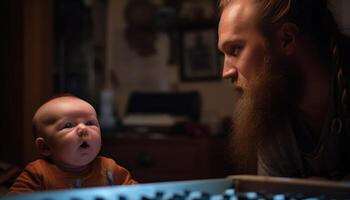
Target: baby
[[67, 135]]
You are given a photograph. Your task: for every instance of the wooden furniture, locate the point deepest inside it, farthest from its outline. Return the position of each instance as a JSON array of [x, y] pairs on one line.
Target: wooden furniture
[[169, 158]]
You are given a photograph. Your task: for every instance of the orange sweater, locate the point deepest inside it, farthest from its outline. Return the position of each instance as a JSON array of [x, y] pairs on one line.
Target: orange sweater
[[43, 175]]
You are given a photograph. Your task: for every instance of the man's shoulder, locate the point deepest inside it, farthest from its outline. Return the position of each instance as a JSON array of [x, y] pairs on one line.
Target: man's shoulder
[[346, 38], [345, 45]]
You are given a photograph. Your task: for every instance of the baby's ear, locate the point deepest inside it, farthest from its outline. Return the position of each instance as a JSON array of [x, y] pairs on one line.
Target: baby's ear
[[42, 147]]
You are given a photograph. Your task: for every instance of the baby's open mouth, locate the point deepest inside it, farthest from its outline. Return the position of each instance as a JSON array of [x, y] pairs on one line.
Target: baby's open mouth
[[84, 145]]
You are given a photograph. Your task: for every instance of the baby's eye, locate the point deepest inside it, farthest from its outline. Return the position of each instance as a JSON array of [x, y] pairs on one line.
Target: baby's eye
[[90, 123], [68, 125]]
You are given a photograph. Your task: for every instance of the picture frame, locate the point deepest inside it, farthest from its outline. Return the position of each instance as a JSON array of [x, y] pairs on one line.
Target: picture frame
[[200, 56]]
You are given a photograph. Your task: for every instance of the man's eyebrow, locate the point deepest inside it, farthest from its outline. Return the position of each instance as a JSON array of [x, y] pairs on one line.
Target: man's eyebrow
[[230, 41], [219, 47]]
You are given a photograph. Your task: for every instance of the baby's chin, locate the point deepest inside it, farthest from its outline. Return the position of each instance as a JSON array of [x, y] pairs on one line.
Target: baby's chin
[[83, 161], [75, 166]]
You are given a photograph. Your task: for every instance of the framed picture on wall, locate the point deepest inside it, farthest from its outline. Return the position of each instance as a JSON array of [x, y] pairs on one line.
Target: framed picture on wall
[[199, 57]]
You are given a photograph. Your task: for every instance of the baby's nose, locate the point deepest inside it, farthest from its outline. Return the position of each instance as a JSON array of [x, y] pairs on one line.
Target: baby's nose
[[82, 131]]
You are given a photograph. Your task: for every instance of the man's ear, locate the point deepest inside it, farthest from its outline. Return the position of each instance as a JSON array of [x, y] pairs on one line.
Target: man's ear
[[42, 147], [288, 35]]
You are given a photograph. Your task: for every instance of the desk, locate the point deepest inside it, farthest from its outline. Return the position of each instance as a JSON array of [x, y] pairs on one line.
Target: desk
[[169, 158]]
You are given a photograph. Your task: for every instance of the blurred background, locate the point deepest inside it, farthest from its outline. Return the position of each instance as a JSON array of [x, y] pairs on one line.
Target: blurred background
[[150, 68]]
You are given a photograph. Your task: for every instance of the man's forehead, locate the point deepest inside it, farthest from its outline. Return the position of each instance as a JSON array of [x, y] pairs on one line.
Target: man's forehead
[[239, 11], [237, 16]]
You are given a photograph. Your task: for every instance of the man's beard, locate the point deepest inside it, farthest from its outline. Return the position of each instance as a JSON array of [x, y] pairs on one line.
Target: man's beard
[[261, 111]]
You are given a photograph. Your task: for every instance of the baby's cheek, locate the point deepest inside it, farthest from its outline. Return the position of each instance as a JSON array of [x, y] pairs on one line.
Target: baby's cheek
[[96, 137], [97, 143], [67, 145]]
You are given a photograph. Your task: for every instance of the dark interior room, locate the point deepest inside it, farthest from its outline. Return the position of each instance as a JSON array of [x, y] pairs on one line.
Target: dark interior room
[[54, 47], [150, 68]]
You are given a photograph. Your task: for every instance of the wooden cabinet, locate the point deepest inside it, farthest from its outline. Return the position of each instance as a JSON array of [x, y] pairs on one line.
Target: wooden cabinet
[[169, 158]]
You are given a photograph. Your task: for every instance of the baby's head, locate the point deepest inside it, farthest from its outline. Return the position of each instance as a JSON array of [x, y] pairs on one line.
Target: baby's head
[[67, 131]]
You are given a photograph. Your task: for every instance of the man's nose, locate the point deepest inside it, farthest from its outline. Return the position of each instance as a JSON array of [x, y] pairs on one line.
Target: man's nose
[[82, 130], [229, 72]]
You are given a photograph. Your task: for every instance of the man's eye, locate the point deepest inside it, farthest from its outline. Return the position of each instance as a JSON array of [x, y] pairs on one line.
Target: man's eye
[[235, 50], [68, 125]]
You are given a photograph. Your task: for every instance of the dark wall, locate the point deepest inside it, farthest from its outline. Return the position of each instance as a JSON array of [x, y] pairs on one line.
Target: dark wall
[[11, 80], [26, 73]]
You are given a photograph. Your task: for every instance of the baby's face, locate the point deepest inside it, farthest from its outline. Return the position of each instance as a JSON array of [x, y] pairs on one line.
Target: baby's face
[[71, 131]]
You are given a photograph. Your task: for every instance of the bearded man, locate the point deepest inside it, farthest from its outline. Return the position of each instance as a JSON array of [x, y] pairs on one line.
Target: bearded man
[[288, 63]]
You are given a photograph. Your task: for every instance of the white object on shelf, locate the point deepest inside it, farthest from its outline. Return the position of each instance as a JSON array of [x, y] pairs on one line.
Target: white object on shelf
[[107, 117]]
